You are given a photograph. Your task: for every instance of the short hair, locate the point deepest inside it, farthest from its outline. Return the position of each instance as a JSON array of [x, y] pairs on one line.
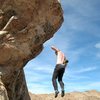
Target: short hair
[[56, 52], [65, 61]]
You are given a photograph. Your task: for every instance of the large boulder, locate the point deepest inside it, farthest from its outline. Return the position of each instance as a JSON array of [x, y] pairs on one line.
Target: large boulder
[[24, 26]]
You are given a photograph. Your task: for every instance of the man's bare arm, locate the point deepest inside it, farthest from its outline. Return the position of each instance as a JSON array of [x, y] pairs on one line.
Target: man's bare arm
[[55, 49]]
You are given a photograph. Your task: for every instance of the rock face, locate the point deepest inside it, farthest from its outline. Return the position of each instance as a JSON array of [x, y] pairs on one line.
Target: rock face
[[88, 95], [24, 26]]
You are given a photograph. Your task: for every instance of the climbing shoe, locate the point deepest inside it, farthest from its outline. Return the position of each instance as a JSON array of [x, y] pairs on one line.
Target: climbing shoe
[[62, 93], [56, 93]]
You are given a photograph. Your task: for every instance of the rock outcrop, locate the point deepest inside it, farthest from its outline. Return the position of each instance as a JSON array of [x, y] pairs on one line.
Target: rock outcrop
[[24, 26], [88, 95]]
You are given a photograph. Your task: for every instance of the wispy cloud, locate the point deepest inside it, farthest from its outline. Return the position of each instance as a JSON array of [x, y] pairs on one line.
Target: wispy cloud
[[98, 55], [35, 77], [83, 70], [75, 77], [79, 7], [81, 18], [76, 86], [75, 54], [82, 86], [97, 45], [44, 69], [39, 88], [78, 74], [40, 66], [95, 84]]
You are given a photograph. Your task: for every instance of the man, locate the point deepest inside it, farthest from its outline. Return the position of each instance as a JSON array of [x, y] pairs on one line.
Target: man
[[59, 71]]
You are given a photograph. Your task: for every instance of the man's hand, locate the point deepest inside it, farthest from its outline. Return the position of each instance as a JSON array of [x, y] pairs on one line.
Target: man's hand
[[55, 49], [52, 47]]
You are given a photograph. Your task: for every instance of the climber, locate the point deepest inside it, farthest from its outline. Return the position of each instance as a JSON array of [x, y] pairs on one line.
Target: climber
[[59, 71]]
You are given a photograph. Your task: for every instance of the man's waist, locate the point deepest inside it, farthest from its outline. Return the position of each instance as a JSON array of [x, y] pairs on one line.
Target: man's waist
[[61, 65]]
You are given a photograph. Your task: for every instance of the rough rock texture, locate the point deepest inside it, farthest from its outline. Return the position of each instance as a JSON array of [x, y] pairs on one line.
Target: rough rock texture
[[24, 26], [88, 95], [3, 91]]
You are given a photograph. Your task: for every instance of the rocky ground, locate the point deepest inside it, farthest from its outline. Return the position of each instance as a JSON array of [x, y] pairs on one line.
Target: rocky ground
[[87, 95]]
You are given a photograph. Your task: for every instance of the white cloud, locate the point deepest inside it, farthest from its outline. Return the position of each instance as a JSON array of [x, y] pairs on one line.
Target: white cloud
[[34, 77], [40, 66], [72, 77], [39, 88], [78, 6], [95, 84], [75, 54], [98, 55], [84, 86], [46, 69], [82, 70], [97, 45], [74, 86], [77, 74], [81, 18]]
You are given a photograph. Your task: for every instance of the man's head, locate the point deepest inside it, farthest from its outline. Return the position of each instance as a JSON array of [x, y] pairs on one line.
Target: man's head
[[56, 52], [65, 61]]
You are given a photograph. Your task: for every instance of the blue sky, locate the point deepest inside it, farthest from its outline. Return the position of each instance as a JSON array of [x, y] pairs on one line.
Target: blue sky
[[79, 39]]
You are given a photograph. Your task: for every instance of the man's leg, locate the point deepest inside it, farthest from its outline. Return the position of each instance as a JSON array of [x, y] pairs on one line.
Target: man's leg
[[54, 82], [60, 76]]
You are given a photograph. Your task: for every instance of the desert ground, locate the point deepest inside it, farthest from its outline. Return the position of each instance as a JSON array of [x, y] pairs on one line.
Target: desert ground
[[87, 95]]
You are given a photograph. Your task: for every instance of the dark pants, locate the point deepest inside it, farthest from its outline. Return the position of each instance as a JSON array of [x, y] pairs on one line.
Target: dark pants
[[58, 73]]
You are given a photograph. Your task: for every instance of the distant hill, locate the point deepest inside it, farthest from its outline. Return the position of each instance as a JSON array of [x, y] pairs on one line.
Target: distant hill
[[87, 95]]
